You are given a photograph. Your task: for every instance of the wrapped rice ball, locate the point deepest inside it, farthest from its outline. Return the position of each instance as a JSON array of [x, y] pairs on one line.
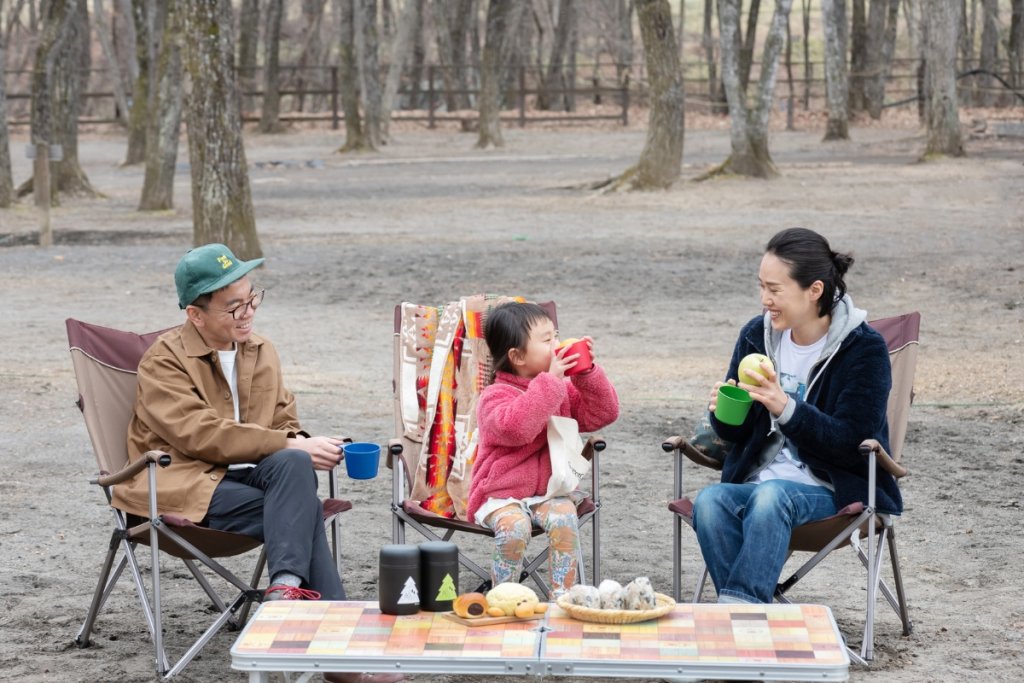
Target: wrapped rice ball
[[584, 596], [639, 594], [611, 594]]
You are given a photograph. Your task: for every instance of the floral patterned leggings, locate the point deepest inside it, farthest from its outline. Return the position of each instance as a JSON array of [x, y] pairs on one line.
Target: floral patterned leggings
[[512, 526]]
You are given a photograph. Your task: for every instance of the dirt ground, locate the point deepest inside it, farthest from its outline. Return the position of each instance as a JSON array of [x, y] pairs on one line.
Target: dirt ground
[[663, 281]]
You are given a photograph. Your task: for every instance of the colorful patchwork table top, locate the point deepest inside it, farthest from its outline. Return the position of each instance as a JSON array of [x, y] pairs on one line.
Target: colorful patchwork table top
[[359, 629], [788, 642], [783, 634]]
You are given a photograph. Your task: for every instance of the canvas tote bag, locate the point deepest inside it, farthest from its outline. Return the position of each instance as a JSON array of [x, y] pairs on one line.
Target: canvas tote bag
[[565, 447]]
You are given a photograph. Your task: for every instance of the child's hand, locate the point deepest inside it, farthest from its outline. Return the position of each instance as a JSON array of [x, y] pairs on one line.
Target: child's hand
[[561, 362], [590, 345]]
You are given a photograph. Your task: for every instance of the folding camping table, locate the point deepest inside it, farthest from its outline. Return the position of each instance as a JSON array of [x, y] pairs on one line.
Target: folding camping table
[[763, 642]]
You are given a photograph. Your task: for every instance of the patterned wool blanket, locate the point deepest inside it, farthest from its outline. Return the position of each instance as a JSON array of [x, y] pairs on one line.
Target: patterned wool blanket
[[441, 366]]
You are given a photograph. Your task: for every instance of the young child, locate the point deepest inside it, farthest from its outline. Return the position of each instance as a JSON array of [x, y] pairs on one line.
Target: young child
[[510, 476]]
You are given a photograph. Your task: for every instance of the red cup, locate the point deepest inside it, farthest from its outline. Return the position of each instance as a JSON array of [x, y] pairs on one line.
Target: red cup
[[584, 362]]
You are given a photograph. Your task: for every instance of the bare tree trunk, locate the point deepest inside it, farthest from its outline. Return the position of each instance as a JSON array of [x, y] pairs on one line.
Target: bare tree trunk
[[662, 156], [69, 82], [836, 86], [941, 22], [419, 55], [989, 58], [165, 123], [270, 117], [805, 6], [312, 56], [966, 42], [716, 95], [502, 16], [142, 16], [400, 48], [348, 79], [570, 69], [554, 79], [624, 57], [6, 175], [912, 19], [116, 78], [248, 50], [858, 56], [443, 35], [221, 197], [748, 130], [57, 23], [460, 26], [882, 42], [130, 38], [748, 42], [368, 47], [791, 100], [1015, 44]]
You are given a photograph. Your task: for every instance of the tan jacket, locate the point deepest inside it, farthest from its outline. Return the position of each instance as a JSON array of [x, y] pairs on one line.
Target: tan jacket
[[184, 407]]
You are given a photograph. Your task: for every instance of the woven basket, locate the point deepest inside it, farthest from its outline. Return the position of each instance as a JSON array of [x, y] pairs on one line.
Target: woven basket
[[617, 616]]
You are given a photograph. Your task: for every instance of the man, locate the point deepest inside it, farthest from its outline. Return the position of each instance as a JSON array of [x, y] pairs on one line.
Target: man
[[211, 394]]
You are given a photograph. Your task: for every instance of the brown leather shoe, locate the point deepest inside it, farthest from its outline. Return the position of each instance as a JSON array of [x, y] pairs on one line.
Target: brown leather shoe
[[351, 677]]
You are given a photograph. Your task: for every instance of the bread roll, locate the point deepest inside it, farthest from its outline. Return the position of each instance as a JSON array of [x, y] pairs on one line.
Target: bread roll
[[470, 605]]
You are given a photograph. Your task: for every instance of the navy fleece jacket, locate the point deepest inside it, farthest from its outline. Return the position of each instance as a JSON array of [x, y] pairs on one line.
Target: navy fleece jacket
[[848, 389]]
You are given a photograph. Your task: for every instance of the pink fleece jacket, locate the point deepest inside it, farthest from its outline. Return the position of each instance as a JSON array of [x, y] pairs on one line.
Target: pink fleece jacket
[[512, 416]]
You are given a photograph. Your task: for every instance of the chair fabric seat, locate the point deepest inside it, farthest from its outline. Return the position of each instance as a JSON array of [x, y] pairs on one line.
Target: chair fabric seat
[[809, 537], [208, 541]]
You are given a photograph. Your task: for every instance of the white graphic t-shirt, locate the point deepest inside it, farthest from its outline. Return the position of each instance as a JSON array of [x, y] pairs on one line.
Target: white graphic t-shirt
[[795, 363]]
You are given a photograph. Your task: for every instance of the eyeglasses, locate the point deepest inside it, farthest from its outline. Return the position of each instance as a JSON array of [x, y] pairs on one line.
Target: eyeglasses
[[254, 301]]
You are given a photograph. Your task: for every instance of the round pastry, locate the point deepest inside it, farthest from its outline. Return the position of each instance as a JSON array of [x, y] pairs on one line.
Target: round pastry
[[470, 605]]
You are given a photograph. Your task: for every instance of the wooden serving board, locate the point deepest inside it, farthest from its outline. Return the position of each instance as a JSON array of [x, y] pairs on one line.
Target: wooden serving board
[[487, 621]]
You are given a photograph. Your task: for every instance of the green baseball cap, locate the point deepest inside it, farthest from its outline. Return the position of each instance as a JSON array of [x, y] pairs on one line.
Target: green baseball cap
[[206, 269]]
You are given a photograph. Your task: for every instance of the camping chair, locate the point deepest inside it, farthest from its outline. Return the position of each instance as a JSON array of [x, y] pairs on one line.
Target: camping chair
[[850, 525], [441, 364], [106, 364]]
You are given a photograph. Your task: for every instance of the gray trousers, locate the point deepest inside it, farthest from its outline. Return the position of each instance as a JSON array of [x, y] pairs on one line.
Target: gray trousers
[[277, 502]]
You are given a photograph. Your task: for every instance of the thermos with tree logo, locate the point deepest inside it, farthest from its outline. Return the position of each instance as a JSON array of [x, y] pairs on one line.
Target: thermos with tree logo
[[399, 580], [439, 575]]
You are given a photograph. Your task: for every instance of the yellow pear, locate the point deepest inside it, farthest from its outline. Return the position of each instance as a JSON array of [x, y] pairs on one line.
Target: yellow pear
[[752, 363]]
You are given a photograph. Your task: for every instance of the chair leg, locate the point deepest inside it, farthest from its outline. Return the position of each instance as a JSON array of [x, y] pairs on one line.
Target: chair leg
[[257, 574], [908, 625], [677, 563], [701, 582], [103, 586], [209, 633], [218, 604], [595, 530]]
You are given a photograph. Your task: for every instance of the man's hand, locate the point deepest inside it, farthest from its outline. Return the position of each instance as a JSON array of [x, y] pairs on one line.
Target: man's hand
[[325, 450]]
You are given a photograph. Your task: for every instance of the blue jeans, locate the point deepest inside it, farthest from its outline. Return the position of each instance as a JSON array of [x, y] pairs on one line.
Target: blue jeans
[[744, 531]]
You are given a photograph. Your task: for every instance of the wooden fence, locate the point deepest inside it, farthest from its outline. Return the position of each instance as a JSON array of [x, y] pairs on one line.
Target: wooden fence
[[312, 93]]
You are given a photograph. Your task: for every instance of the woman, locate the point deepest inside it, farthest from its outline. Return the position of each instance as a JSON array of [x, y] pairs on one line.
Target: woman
[[796, 456]]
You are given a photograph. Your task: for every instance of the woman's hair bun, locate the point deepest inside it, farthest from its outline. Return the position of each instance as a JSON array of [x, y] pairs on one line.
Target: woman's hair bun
[[842, 262]]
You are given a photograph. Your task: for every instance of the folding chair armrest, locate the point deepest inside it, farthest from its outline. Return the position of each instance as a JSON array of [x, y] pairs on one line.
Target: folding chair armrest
[[678, 443], [148, 458], [397, 450], [869, 446], [395, 447], [595, 444]]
